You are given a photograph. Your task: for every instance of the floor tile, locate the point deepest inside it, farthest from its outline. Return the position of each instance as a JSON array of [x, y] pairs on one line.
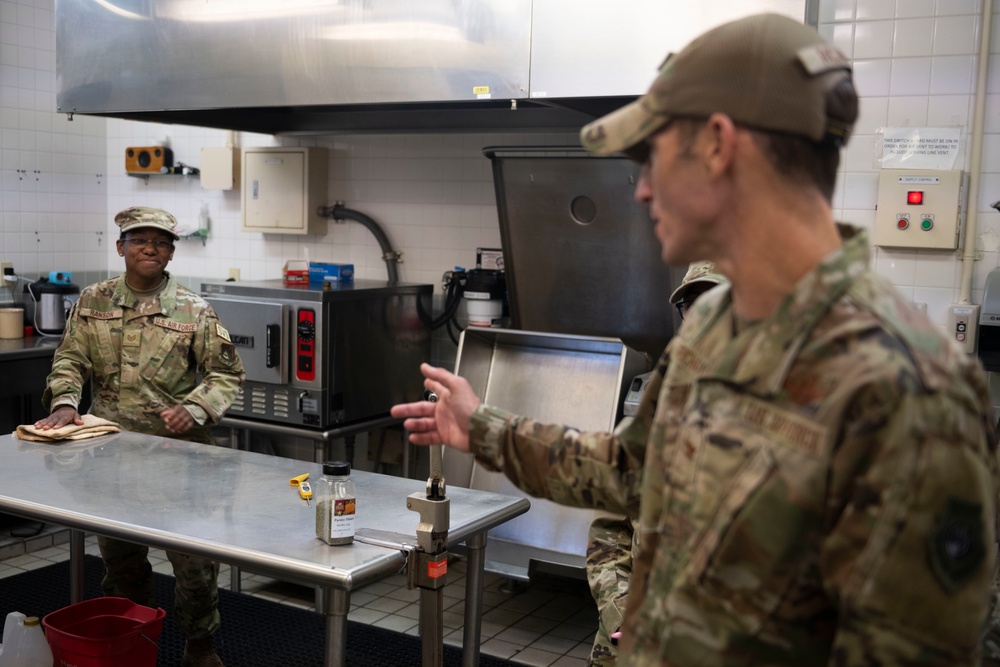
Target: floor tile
[[560, 645], [396, 623], [386, 605], [498, 648], [536, 658]]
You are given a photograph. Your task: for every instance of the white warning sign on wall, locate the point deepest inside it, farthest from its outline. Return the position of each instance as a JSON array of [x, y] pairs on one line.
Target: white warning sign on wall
[[920, 147]]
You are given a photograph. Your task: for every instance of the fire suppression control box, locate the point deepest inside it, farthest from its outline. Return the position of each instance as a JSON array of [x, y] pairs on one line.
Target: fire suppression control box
[[918, 208]]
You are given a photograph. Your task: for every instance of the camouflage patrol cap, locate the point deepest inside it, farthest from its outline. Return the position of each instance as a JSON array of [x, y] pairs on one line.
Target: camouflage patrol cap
[[765, 71], [138, 217], [698, 272]]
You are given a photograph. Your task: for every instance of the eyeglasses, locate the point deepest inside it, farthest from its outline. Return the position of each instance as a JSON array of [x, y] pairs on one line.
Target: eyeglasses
[[141, 244]]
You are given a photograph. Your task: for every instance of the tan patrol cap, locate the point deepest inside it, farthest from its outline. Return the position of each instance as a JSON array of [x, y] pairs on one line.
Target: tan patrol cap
[[698, 272], [766, 71], [137, 217]]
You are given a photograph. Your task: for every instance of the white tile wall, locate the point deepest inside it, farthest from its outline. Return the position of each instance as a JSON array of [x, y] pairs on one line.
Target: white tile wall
[[915, 64], [62, 181]]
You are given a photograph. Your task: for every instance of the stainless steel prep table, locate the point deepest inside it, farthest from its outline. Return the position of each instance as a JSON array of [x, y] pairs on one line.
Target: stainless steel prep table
[[237, 507]]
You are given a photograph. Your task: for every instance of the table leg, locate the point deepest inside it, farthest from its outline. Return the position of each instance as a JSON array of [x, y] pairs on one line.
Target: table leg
[[235, 579], [472, 634], [75, 566], [432, 627], [319, 599], [336, 604]]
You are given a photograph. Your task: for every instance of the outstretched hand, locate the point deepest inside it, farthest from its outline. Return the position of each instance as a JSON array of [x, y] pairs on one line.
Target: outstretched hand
[[447, 420]]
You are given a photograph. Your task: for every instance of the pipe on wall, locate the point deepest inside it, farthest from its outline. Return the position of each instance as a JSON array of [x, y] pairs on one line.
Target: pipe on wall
[[340, 212], [976, 154]]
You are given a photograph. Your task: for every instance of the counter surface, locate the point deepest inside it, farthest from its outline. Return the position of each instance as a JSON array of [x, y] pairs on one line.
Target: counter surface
[[238, 507], [28, 348], [230, 505]]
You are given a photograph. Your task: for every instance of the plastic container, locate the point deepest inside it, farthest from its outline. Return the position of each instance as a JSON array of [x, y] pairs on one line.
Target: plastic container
[[11, 323], [104, 632], [336, 503], [13, 628], [27, 646]]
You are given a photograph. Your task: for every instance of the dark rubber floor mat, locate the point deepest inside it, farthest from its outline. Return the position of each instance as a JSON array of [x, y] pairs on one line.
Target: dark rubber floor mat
[[255, 632]]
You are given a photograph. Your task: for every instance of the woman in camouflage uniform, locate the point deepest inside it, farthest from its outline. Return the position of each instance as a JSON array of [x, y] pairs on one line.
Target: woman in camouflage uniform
[[161, 364]]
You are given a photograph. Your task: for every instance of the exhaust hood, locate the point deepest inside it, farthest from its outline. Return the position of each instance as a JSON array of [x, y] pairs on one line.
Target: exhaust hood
[[309, 66], [349, 66]]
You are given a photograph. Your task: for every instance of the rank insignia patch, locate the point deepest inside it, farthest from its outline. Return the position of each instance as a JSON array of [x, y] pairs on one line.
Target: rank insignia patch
[[228, 354]]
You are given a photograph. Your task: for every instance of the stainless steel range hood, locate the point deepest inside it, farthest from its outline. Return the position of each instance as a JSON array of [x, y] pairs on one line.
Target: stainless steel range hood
[[309, 66], [564, 115], [348, 66]]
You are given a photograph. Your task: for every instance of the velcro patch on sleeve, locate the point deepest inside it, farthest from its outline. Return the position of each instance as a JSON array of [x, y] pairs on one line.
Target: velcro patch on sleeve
[[183, 327], [100, 314], [221, 330], [955, 545]]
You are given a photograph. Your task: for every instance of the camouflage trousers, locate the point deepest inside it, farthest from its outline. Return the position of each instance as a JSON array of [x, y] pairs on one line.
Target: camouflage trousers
[[991, 636], [128, 574], [609, 566]]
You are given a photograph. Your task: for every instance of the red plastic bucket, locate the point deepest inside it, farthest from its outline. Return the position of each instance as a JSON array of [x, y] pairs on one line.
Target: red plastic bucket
[[104, 632]]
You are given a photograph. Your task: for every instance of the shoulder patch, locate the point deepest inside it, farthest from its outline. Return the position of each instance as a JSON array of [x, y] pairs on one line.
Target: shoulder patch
[[100, 314], [183, 327], [956, 543], [221, 330]]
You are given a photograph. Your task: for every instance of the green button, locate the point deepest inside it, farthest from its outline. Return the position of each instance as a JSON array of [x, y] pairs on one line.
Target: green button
[[926, 225]]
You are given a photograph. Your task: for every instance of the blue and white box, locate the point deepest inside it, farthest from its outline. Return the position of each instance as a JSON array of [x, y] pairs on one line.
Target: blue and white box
[[322, 272]]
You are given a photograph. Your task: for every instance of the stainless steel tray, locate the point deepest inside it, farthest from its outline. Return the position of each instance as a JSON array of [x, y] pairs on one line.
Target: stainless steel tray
[[580, 381]]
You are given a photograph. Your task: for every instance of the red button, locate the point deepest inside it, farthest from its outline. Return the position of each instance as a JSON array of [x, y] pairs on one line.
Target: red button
[[902, 223]]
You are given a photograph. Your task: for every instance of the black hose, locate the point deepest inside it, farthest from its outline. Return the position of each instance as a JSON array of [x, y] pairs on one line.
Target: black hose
[[340, 212], [453, 299]]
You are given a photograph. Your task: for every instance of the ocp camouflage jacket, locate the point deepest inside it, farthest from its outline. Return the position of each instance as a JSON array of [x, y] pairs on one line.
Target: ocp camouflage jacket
[[819, 488], [145, 358]]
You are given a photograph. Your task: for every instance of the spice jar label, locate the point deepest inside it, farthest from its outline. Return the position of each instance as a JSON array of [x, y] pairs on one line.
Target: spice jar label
[[342, 522]]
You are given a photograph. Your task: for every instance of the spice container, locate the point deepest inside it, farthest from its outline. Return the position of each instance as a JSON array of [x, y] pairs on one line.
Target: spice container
[[336, 502]]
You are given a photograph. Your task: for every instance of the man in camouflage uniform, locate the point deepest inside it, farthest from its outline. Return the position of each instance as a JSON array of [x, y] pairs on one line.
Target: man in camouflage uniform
[[818, 483], [612, 537], [144, 340]]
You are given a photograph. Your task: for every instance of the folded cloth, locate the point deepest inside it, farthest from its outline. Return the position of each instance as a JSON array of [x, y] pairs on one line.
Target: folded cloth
[[92, 427]]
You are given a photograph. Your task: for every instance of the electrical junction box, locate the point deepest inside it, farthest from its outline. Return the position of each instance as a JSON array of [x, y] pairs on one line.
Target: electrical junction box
[[283, 188], [918, 208], [220, 168]]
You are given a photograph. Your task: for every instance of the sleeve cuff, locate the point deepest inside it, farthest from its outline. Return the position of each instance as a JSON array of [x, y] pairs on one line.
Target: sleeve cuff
[[60, 402], [487, 430], [197, 412]]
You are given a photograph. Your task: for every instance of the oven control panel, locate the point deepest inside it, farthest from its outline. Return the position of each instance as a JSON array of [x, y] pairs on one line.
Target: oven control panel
[[305, 345]]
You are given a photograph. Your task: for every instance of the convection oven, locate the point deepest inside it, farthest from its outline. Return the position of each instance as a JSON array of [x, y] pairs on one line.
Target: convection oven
[[318, 357]]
